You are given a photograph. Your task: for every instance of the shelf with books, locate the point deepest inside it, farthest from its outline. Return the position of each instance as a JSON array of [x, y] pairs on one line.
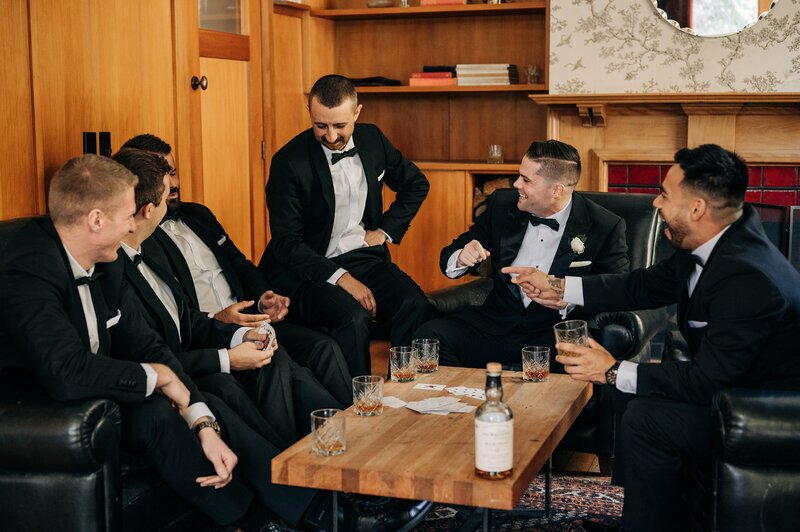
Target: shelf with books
[[431, 11], [532, 88]]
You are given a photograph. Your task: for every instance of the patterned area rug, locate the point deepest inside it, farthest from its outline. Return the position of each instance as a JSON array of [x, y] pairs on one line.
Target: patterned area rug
[[574, 500]]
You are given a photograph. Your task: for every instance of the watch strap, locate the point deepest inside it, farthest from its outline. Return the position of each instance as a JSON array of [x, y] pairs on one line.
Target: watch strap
[[611, 374]]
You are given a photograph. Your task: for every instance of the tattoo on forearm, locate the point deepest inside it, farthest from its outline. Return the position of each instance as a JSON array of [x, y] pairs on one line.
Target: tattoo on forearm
[[556, 284]]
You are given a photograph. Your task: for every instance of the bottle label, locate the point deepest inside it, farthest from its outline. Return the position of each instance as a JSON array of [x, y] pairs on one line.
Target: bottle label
[[494, 446]]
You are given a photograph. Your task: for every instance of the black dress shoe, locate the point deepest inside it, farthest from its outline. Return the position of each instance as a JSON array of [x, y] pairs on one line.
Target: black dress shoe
[[382, 514]]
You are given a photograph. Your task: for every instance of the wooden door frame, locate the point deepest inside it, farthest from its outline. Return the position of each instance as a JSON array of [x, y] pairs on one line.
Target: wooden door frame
[[190, 43]]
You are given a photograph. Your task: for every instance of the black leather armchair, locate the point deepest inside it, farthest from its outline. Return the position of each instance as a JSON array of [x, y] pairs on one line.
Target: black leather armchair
[[61, 467], [625, 334]]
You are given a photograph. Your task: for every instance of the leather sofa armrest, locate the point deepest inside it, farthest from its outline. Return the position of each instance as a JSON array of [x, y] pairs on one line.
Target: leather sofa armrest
[[757, 426], [455, 298], [44, 435], [626, 333]]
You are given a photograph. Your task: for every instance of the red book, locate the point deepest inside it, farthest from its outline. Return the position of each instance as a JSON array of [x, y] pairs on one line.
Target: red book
[[428, 75], [432, 82]]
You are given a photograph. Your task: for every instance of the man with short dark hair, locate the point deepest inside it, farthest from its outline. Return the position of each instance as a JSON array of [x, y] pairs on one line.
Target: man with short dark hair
[[210, 351], [218, 279], [738, 304], [542, 222], [329, 230]]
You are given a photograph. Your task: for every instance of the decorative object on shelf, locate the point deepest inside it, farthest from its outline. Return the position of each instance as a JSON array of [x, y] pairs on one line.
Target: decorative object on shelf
[[404, 3], [533, 74], [379, 3], [495, 155]]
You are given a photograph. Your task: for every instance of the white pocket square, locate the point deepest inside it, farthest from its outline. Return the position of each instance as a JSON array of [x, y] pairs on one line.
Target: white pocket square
[[580, 263], [222, 240], [697, 324], [381, 175], [113, 321]]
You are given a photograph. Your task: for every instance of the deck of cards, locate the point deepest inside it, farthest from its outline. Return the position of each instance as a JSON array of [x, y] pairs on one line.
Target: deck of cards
[[441, 406], [474, 393], [269, 330]]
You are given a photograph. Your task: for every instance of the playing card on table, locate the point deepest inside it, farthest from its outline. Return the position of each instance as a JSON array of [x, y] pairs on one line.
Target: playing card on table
[[434, 387], [473, 393], [439, 405], [393, 402]]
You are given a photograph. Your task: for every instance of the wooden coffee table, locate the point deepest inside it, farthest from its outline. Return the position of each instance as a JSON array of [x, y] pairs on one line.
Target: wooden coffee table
[[405, 454]]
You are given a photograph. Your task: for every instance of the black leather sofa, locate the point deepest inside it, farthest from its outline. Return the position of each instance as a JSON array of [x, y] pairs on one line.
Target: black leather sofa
[[61, 467], [625, 334]]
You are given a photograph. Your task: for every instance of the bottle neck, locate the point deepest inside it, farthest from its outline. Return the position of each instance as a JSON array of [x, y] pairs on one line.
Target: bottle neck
[[494, 388]]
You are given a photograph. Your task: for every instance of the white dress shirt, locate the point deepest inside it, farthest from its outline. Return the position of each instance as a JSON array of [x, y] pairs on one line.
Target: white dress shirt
[[538, 249], [90, 316], [213, 291], [167, 298], [626, 374]]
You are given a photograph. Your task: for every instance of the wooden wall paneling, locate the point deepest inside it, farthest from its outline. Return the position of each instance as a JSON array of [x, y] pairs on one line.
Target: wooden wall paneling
[[480, 119], [768, 133], [320, 50], [257, 139], [100, 67], [187, 143], [21, 184], [224, 108], [708, 123], [443, 216], [289, 109], [396, 48], [420, 127]]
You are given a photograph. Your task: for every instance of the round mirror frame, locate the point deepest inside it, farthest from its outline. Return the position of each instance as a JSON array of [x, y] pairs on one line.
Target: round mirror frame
[[690, 31]]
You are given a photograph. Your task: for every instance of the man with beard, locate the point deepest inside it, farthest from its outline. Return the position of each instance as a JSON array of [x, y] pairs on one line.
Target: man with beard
[[541, 222], [218, 279], [738, 309], [329, 230]]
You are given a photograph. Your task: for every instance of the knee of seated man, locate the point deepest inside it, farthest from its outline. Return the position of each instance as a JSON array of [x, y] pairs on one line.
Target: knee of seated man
[[640, 417]]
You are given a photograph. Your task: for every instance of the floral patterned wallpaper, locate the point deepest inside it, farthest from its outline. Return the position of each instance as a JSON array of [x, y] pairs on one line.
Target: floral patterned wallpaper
[[624, 46]]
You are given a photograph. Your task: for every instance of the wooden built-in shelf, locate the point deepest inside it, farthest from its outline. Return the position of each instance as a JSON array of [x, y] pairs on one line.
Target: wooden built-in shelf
[[291, 5], [539, 87], [479, 167], [430, 11], [633, 99]]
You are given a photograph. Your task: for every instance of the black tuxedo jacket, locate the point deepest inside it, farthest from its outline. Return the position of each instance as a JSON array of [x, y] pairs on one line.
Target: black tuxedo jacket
[[246, 280], [301, 206], [43, 328], [200, 336], [501, 229], [742, 322]]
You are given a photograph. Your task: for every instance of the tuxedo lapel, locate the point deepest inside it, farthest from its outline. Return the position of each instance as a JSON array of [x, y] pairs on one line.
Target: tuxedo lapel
[[578, 223], [323, 172], [510, 241], [176, 260], [374, 205]]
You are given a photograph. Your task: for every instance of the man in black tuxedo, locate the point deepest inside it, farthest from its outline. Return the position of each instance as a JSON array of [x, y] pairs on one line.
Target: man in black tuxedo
[[208, 349], [738, 304], [542, 223], [329, 231], [218, 279], [68, 317]]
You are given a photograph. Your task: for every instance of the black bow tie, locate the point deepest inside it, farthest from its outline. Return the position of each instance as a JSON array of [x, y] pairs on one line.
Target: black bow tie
[[137, 260], [697, 260], [89, 279], [336, 157], [549, 222]]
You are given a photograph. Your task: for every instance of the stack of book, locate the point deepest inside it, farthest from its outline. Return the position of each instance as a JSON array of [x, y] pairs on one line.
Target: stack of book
[[487, 74], [432, 79]]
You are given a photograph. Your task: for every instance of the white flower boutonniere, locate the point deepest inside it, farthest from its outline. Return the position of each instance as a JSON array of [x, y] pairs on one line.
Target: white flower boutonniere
[[578, 244]]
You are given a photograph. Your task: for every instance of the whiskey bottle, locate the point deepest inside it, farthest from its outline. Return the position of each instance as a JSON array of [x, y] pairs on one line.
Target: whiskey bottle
[[494, 430]]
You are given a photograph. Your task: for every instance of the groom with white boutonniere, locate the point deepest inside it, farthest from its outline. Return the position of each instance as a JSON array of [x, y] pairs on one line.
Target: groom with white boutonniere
[[541, 223]]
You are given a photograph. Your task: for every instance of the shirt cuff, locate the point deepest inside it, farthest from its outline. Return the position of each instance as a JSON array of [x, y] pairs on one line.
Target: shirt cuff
[[238, 336], [195, 412], [387, 235], [211, 315], [573, 290], [336, 276], [626, 376], [566, 310], [224, 361], [452, 270], [152, 379]]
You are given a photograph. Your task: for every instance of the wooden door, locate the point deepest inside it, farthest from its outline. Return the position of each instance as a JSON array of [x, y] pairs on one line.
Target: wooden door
[[232, 177]]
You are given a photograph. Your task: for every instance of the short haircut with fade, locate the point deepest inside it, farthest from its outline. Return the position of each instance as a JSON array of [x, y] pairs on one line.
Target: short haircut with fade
[[150, 168], [85, 183], [559, 162], [332, 90], [148, 142], [716, 173]]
